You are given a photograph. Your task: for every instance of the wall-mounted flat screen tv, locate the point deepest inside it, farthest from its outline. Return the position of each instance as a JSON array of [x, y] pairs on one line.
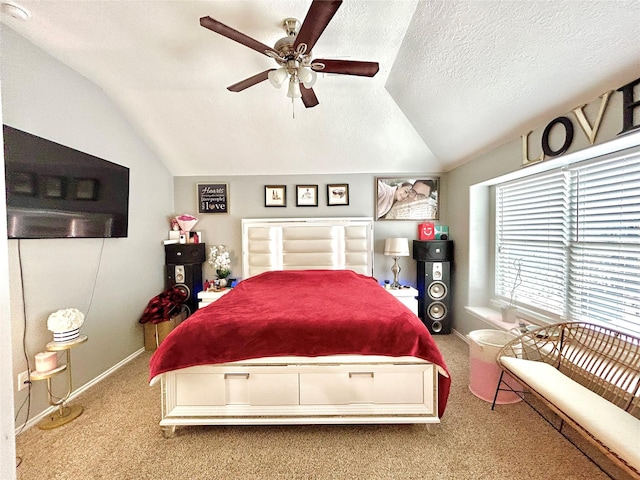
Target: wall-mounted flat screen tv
[[55, 191]]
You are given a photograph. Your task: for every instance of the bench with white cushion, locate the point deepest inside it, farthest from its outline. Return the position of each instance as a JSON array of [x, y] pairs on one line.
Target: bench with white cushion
[[589, 375]]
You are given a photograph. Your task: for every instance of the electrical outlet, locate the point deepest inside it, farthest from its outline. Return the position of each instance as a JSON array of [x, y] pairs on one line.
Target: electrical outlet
[[23, 380]]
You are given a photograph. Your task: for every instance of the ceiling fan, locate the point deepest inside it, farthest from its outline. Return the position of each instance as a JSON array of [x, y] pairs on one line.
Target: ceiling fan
[[293, 53]]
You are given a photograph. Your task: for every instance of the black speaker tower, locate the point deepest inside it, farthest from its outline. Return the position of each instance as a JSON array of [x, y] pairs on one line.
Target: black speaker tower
[[434, 259], [184, 270]]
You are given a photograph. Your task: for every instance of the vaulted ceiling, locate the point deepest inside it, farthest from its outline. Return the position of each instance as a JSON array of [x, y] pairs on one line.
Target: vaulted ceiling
[[457, 77]]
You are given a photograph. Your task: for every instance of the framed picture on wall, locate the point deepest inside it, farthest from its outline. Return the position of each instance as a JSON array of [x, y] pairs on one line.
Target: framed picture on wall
[[408, 198], [213, 198], [275, 195], [20, 183], [87, 189], [306, 195], [54, 187], [338, 194]]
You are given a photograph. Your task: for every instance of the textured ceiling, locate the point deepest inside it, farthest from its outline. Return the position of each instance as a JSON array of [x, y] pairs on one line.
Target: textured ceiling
[[456, 77], [485, 72]]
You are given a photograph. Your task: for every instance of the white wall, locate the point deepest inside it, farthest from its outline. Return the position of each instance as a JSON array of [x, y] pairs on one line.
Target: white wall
[[7, 443], [115, 278]]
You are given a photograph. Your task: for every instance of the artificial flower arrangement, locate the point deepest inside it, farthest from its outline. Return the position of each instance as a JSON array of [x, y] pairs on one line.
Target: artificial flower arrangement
[[186, 222], [64, 321], [220, 260]]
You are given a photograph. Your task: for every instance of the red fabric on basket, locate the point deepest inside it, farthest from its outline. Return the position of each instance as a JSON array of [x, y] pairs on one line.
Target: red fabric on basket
[[164, 306], [300, 313]]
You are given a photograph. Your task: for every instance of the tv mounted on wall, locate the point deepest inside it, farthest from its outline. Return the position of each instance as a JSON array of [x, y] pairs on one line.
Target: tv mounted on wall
[[55, 191]]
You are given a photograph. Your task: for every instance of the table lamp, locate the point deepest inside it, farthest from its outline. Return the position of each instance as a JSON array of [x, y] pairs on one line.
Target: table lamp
[[396, 247]]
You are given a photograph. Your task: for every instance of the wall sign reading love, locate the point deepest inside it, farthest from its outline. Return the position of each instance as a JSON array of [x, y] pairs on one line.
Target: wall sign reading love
[[213, 198], [565, 132]]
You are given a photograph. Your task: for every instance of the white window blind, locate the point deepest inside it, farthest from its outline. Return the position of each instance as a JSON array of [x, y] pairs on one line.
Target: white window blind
[[532, 236], [604, 253], [569, 242]]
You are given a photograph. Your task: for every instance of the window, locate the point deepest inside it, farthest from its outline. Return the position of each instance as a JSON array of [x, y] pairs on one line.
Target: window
[[568, 241]]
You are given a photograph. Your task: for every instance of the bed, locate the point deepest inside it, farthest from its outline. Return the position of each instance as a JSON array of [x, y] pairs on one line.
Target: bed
[[307, 337]]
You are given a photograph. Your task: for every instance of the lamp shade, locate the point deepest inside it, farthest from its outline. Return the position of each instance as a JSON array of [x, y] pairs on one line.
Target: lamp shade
[[396, 247], [307, 77], [277, 77], [294, 89]]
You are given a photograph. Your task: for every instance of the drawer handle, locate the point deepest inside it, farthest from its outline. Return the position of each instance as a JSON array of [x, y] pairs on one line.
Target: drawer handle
[[353, 374], [236, 375]]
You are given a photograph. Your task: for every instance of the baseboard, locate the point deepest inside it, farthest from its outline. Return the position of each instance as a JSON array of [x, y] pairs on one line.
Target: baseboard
[[461, 336], [34, 421]]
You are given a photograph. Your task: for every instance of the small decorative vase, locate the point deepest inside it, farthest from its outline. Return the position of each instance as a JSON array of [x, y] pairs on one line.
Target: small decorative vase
[[509, 314], [222, 277], [66, 336]]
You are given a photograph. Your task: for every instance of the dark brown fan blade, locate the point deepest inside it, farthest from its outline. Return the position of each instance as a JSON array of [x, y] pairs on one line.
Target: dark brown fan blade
[[308, 97], [318, 17], [347, 67], [236, 36], [250, 82]]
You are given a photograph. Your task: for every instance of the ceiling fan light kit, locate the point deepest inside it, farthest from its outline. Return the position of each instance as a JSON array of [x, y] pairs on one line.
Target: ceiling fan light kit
[[15, 10], [293, 53], [294, 88], [277, 77], [307, 76]]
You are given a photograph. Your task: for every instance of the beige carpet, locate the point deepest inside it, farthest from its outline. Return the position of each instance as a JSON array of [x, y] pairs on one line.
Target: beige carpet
[[118, 437]]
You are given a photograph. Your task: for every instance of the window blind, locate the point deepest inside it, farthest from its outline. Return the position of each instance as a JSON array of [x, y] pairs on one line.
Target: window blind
[[531, 241], [568, 242], [604, 253]]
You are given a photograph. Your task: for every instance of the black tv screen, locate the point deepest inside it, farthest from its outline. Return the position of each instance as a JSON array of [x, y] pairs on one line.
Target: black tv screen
[[55, 191]]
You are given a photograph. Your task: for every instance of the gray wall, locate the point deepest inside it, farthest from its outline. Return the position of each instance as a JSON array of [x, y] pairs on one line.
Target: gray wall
[[111, 280], [44, 97], [468, 198], [247, 201]]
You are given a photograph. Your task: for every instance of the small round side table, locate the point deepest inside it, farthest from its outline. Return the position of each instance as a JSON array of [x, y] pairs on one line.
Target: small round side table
[[64, 414]]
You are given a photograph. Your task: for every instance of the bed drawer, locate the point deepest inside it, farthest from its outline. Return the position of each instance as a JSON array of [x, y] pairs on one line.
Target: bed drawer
[[296, 393], [364, 385], [245, 386]]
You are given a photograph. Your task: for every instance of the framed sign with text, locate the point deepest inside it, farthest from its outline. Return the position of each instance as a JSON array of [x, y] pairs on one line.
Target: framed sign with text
[[213, 198]]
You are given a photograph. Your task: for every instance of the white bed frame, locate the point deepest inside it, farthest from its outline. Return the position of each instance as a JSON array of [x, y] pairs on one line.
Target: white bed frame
[[344, 389]]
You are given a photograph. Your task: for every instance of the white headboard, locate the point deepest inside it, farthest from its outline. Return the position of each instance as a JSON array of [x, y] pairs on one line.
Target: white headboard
[[307, 244]]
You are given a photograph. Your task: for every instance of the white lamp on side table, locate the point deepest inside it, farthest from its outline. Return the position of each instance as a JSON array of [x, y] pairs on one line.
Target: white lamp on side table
[[396, 247]]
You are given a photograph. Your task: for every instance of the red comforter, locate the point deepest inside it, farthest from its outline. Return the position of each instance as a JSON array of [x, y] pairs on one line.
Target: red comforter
[[300, 313]]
